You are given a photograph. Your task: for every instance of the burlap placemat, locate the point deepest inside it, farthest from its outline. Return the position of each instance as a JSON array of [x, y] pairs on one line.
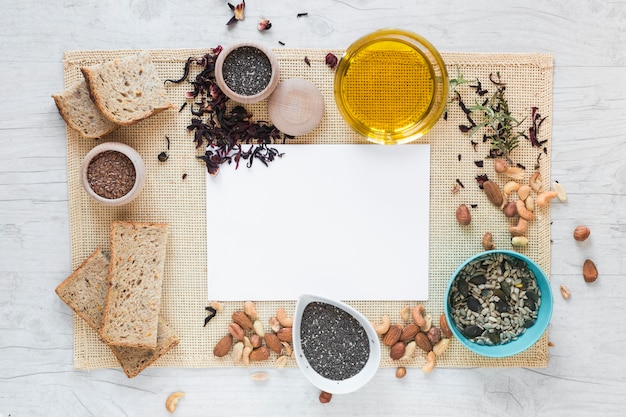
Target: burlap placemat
[[175, 193]]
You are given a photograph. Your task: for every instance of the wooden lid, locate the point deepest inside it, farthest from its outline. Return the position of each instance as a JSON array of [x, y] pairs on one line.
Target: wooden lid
[[296, 106]]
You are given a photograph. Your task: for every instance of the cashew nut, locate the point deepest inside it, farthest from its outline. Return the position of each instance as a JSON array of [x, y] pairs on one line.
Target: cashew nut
[[383, 327], [172, 401], [237, 352], [258, 328], [409, 351], [519, 241], [523, 192], [405, 313], [544, 198], [245, 357], [510, 186], [535, 182], [428, 323], [281, 362], [515, 172], [520, 229], [431, 362], [562, 195], [530, 203], [250, 309], [417, 315], [281, 315], [441, 346], [523, 211]]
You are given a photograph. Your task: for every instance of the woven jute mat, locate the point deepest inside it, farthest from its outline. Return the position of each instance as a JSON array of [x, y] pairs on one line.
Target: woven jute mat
[[175, 194]]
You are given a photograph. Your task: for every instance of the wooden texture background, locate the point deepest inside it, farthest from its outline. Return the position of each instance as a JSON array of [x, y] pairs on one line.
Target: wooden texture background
[[586, 373]]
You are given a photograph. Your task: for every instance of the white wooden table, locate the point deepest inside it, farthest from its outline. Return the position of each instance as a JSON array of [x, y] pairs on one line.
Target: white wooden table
[[586, 373]]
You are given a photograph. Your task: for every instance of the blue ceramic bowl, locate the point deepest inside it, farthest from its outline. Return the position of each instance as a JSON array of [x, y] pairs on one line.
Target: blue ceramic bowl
[[530, 336]]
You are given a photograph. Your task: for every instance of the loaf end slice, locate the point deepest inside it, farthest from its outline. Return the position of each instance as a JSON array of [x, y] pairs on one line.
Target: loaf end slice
[[127, 90], [81, 114], [133, 301], [85, 290], [135, 360]]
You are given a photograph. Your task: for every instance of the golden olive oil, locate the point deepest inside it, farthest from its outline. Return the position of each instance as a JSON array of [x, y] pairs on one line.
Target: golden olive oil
[[388, 86]]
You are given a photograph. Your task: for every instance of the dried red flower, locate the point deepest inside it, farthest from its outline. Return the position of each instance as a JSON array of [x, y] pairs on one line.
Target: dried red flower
[[264, 24], [331, 60], [238, 12]]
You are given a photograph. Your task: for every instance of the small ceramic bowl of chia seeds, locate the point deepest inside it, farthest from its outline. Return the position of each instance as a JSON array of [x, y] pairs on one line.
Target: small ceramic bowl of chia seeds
[[335, 346], [498, 303], [247, 72], [113, 173]]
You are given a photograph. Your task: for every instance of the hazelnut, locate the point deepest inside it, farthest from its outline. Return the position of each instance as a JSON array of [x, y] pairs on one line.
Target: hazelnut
[[401, 372], [581, 233], [500, 166]]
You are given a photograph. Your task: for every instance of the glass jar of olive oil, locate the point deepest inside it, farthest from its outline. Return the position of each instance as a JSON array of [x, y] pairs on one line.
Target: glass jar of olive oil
[[391, 86]]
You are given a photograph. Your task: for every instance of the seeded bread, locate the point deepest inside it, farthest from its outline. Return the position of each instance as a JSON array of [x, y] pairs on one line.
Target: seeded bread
[[85, 290], [127, 90], [81, 114], [133, 301]]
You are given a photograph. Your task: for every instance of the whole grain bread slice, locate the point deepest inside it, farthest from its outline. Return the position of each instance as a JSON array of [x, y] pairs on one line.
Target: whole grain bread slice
[[133, 301], [81, 114], [127, 90], [85, 290]]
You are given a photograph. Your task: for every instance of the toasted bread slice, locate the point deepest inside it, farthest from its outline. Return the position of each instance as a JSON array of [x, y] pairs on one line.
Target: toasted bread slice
[[127, 90], [81, 114], [133, 302], [84, 291]]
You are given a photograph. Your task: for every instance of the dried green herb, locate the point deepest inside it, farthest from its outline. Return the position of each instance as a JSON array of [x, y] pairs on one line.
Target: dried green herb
[[500, 124]]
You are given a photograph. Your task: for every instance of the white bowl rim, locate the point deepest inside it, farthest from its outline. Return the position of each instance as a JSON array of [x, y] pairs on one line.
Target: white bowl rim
[[343, 386]]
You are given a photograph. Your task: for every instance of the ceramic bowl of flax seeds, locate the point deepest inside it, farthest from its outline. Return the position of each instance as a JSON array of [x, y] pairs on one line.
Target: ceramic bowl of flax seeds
[[335, 346], [498, 303], [113, 173]]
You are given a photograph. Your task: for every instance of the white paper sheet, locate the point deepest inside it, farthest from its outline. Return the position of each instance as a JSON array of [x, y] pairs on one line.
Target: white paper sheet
[[348, 222]]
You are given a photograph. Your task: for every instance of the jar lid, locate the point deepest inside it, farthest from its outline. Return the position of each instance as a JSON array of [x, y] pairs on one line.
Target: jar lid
[[296, 106]]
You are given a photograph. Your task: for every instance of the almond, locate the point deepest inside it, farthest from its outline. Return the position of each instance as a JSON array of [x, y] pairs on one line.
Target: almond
[[393, 335], [273, 342], [223, 346], [285, 335], [590, 271], [443, 325], [259, 354], [463, 215], [422, 341], [242, 319], [235, 331], [409, 332], [493, 192], [397, 351]]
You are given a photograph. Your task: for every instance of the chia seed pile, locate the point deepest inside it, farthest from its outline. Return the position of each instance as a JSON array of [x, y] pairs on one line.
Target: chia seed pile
[[494, 299], [247, 70], [333, 341], [111, 174]]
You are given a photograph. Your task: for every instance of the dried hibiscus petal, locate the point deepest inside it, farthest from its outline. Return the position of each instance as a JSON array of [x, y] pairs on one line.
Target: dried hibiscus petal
[[238, 12], [331, 60]]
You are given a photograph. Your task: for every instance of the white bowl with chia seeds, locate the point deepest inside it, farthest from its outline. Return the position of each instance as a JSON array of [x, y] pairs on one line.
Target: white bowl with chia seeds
[[336, 347], [498, 303]]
